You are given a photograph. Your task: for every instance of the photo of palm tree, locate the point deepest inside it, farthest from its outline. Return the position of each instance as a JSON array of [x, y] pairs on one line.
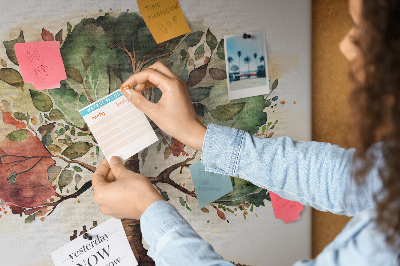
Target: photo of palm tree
[[246, 65]]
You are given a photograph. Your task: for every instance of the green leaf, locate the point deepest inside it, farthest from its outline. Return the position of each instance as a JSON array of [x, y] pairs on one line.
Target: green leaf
[[46, 139], [83, 99], [227, 112], [11, 178], [199, 109], [199, 53], [97, 150], [21, 116], [143, 155], [65, 178], [78, 178], [60, 132], [194, 38], [54, 148], [69, 28], [58, 36], [159, 147], [76, 150], [244, 192], [182, 201], [52, 172], [211, 40], [41, 101], [253, 116], [81, 134], [11, 76], [18, 135], [165, 195], [263, 128], [187, 207], [221, 50], [74, 73], [9, 45], [199, 94], [251, 208], [274, 85], [30, 219], [56, 114], [77, 169], [72, 131]]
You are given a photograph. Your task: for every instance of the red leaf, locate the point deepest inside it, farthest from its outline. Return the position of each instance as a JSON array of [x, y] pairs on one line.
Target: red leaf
[[177, 147], [221, 214], [30, 161], [9, 119], [197, 75], [217, 74], [47, 36]]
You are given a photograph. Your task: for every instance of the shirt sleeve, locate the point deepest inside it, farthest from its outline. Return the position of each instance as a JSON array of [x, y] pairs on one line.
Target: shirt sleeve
[[312, 173], [172, 240]]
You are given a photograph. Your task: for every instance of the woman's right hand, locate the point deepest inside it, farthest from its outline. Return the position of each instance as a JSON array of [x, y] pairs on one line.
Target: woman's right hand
[[174, 113]]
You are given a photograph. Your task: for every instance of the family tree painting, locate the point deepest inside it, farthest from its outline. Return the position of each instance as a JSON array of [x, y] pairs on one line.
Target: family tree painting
[[48, 153]]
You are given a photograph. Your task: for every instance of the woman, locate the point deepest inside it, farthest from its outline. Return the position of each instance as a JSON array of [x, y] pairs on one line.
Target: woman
[[362, 182]]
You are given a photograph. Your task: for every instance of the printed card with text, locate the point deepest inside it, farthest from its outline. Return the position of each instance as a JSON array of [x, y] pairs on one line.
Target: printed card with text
[[209, 186], [118, 126], [108, 246]]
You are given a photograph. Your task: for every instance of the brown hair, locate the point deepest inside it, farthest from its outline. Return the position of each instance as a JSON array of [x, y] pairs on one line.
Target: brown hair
[[375, 101]]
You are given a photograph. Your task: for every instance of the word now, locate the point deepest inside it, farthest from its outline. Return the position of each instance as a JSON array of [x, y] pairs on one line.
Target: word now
[[93, 259]]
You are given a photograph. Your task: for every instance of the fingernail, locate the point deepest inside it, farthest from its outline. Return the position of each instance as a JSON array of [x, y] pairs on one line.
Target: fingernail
[[124, 88], [115, 160], [128, 94]]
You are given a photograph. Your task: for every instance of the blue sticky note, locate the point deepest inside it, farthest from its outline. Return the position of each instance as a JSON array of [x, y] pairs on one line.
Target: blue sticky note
[[209, 186]]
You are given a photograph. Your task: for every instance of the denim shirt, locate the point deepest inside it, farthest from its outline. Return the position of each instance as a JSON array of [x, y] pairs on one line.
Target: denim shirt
[[312, 173]]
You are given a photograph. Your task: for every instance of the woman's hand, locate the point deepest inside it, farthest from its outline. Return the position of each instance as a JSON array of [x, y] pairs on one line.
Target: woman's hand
[[174, 113], [122, 193]]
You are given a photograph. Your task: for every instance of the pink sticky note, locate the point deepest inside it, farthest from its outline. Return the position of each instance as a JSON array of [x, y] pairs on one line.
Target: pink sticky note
[[286, 210], [41, 63]]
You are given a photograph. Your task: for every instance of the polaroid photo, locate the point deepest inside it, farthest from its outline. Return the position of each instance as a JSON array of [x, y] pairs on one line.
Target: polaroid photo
[[247, 65]]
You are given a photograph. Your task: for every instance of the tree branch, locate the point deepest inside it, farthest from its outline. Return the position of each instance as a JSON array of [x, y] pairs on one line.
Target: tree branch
[[87, 92], [85, 165], [163, 177]]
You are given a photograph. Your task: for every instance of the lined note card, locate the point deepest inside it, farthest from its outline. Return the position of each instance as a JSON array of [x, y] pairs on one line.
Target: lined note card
[[41, 64], [164, 18], [119, 127]]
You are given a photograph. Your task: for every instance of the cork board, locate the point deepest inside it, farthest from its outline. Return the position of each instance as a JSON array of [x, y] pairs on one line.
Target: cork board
[[331, 89]]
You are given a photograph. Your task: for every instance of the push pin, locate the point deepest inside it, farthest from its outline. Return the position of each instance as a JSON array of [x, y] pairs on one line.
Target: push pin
[[87, 236], [246, 36]]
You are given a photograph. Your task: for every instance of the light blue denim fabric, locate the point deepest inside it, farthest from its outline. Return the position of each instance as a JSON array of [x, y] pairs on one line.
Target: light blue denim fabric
[[312, 173]]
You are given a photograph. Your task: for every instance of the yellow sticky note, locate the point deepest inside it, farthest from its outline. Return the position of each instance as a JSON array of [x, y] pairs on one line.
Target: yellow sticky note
[[164, 18]]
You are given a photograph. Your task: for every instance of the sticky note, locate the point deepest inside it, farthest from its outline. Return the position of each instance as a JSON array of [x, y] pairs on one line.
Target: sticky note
[[118, 126], [164, 18], [284, 209], [108, 246], [41, 64], [209, 186]]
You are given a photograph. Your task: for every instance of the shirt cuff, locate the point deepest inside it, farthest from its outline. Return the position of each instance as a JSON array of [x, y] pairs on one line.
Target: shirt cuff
[[221, 150], [158, 219]]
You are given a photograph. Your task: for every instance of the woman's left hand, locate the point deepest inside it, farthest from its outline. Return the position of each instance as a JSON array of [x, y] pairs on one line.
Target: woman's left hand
[[120, 192]]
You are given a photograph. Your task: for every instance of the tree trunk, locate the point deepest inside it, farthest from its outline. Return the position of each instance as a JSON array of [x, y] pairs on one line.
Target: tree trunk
[[132, 227]]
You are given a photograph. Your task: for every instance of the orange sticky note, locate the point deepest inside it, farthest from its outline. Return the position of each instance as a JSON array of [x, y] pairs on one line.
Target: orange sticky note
[[41, 64], [164, 18], [284, 209]]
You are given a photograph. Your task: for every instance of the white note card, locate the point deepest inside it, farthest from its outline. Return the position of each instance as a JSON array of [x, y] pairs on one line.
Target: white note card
[[118, 126], [109, 246]]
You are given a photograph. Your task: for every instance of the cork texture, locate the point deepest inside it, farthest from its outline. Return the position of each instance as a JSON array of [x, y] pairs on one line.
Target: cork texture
[[330, 100]]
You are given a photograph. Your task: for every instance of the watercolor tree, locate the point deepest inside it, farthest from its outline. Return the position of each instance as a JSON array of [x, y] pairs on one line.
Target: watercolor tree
[[49, 153]]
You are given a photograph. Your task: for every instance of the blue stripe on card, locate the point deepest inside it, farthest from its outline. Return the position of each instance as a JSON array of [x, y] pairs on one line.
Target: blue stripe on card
[[94, 106]]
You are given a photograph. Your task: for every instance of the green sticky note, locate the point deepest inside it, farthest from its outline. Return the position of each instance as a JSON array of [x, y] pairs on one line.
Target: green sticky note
[[209, 186]]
